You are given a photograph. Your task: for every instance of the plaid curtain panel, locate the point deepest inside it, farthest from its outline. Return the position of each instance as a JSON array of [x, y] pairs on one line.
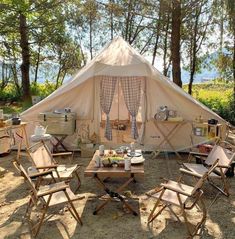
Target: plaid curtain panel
[[131, 87], [107, 88]]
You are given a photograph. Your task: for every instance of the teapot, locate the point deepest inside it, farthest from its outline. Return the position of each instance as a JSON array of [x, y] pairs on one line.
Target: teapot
[[40, 130]]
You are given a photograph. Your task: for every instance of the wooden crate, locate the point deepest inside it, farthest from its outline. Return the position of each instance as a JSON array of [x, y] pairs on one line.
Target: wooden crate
[[58, 123]]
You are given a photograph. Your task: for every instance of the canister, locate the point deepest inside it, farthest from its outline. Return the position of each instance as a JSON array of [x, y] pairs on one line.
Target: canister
[[127, 164], [101, 150], [97, 161]]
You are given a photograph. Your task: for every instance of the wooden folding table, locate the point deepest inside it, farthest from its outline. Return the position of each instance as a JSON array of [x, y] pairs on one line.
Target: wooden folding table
[[168, 135], [137, 171], [20, 131]]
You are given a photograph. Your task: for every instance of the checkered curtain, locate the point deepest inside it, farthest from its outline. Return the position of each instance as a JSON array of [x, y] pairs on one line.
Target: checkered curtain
[[107, 88], [131, 88]]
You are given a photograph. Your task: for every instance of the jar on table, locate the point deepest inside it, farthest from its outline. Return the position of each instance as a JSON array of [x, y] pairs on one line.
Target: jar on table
[[127, 163], [101, 150], [97, 161]]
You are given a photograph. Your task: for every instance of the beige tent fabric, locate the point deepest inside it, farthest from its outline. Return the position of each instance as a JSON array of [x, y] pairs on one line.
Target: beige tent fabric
[[119, 59]]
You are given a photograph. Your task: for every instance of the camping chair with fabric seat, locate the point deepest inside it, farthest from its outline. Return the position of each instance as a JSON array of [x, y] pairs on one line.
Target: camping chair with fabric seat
[[47, 196], [42, 159], [225, 156], [172, 193]]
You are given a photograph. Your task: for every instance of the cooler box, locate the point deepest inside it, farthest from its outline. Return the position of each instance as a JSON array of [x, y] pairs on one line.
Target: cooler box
[[58, 123]]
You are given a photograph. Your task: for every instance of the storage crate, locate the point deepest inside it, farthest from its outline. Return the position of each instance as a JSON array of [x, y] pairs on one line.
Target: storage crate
[[58, 123]]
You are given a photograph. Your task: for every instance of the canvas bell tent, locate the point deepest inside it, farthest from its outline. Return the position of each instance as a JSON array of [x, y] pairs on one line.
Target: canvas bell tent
[[116, 96]]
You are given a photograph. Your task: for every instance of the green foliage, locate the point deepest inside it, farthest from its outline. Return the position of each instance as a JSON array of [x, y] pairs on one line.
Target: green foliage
[[217, 97], [223, 64], [9, 93], [42, 90], [12, 109]]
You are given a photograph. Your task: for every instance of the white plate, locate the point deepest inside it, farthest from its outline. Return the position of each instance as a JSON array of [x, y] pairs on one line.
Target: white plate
[[134, 154], [137, 160]]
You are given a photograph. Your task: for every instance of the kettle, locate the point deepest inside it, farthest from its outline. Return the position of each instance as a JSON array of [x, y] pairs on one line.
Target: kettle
[[39, 130]]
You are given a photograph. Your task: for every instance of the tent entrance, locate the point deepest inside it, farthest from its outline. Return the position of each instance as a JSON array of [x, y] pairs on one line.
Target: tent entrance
[[119, 116]]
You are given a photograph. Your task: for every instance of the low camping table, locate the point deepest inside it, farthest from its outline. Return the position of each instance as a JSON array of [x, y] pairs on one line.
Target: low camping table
[[137, 171]]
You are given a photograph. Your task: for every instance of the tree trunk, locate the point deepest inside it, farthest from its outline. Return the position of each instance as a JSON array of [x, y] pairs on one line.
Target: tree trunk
[[165, 65], [221, 25], [175, 42], [158, 26], [38, 58], [111, 19], [24, 44], [37, 65], [234, 68], [15, 77], [91, 43], [128, 20], [193, 52], [58, 78]]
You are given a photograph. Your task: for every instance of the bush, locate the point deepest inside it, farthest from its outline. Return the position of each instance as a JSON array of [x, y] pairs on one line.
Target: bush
[[10, 94], [218, 97], [42, 90]]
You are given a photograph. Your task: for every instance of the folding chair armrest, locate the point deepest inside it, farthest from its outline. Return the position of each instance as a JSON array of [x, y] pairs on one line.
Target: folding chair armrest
[[198, 154], [195, 155], [226, 143], [47, 167], [177, 190], [38, 174], [223, 166], [153, 191], [62, 154], [53, 188], [185, 171]]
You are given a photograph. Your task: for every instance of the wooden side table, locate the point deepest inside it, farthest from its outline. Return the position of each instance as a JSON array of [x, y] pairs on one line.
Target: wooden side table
[[167, 136], [20, 131]]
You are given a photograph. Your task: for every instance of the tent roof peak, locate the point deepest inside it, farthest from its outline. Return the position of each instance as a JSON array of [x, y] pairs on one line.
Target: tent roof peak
[[119, 53]]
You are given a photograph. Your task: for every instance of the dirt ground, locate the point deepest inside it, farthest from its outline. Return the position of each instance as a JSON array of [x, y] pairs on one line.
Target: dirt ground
[[113, 221]]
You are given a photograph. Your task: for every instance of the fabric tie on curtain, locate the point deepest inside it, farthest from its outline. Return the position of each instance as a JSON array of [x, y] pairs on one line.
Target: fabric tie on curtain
[[131, 87], [107, 88]]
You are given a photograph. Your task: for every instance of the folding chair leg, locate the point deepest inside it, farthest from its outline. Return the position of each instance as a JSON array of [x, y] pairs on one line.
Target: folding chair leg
[[43, 216], [73, 208], [172, 211], [186, 221], [79, 181], [199, 225], [150, 219], [29, 208], [72, 213], [224, 191]]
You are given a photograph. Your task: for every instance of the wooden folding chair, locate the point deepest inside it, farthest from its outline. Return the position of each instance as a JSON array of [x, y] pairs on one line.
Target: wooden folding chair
[[172, 193], [226, 157], [47, 196], [42, 159]]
